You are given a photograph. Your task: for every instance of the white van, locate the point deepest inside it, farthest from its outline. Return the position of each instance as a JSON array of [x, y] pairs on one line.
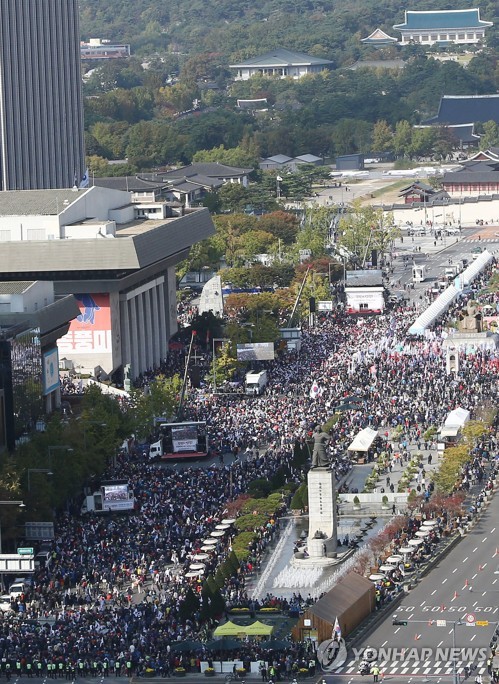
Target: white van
[[17, 589]]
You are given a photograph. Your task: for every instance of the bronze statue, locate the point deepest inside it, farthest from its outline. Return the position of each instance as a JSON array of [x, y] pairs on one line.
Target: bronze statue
[[320, 458]]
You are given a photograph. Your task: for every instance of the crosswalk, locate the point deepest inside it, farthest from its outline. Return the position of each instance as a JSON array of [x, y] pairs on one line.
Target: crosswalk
[[415, 667], [472, 239]]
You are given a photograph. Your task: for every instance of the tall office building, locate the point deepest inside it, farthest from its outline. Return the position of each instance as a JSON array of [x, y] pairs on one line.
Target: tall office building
[[41, 106]]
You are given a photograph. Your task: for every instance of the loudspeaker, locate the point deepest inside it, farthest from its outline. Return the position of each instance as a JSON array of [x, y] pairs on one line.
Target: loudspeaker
[[312, 304]]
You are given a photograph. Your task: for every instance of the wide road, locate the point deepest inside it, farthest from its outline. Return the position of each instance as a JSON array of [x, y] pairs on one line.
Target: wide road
[[464, 585], [436, 259]]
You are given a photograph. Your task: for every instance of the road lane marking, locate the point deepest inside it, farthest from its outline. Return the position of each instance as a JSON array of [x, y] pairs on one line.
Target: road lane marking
[[440, 643], [483, 566], [464, 561], [422, 604], [474, 575], [455, 570], [475, 604], [492, 530], [445, 580], [475, 549], [451, 631], [384, 643], [397, 630], [484, 539], [434, 592], [474, 635], [494, 581]]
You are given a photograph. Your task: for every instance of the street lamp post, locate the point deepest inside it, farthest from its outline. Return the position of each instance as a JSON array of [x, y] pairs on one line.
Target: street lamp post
[[62, 447], [37, 470]]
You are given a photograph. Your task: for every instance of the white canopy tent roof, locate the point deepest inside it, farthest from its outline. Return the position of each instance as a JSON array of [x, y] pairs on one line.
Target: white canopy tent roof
[[363, 440], [434, 311], [457, 418], [476, 267]]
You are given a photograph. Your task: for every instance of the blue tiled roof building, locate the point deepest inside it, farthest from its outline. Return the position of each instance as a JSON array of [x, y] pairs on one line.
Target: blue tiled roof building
[[443, 26]]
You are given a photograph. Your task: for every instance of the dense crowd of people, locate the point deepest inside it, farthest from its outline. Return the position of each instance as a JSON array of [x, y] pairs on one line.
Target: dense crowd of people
[[110, 598]]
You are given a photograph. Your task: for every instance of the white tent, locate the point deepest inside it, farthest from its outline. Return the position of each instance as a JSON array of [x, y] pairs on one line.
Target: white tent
[[457, 418], [434, 311], [476, 267], [454, 422], [363, 440]]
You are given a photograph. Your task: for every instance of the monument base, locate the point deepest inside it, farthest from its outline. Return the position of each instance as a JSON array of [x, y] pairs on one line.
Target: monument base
[[322, 538]]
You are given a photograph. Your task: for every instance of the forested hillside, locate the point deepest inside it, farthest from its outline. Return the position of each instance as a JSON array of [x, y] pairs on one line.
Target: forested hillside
[[175, 100], [329, 28]]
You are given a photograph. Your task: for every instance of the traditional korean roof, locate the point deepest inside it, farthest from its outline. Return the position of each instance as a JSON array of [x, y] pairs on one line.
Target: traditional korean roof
[[474, 172], [461, 109], [442, 19], [379, 37], [464, 133], [492, 154], [280, 57]]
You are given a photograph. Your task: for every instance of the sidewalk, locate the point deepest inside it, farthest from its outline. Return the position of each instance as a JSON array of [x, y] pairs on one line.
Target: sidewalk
[[359, 474]]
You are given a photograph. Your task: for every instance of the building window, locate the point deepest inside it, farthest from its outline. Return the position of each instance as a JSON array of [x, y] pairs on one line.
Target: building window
[[434, 36], [363, 307], [470, 36], [452, 36], [424, 38], [461, 36]]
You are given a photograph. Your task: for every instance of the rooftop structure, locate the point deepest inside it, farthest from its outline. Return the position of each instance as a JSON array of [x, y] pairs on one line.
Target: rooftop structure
[[378, 37], [100, 246], [464, 109], [281, 63], [443, 26]]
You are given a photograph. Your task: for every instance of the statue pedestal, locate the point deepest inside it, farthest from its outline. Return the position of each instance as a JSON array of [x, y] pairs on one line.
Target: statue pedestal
[[321, 513]]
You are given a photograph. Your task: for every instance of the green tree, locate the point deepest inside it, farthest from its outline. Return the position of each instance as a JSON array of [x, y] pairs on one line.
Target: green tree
[[236, 156], [283, 225], [160, 399], [365, 228], [255, 242], [490, 137], [233, 197], [382, 136], [402, 139]]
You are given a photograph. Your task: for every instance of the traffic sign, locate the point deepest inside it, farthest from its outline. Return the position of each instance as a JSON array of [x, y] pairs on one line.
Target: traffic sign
[[470, 619], [25, 552], [441, 623], [482, 623]]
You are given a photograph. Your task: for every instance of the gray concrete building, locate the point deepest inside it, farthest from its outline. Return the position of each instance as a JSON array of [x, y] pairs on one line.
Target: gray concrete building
[[41, 108], [101, 246]]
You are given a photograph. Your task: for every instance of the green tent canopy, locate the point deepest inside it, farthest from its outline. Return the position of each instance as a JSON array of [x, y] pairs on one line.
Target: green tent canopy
[[229, 629], [258, 629]]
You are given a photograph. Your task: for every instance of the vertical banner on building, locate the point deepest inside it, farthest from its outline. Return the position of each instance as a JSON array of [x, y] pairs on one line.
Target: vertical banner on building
[[89, 334], [50, 371]]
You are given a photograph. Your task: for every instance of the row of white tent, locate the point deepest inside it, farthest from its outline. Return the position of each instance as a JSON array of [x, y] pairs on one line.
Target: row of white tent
[[455, 420], [444, 300]]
